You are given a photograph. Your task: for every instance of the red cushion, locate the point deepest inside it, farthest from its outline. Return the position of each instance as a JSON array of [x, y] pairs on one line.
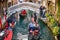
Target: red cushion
[[36, 32]]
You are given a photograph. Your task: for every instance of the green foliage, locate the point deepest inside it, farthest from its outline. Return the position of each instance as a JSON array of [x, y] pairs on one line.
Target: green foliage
[[59, 30], [53, 24], [52, 21], [55, 30], [50, 17], [58, 13], [46, 14]]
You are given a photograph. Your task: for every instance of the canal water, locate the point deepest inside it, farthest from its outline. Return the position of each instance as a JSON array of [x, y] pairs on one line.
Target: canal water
[[22, 28]]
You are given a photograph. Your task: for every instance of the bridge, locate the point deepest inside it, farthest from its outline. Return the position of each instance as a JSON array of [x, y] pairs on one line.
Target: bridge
[[24, 5]]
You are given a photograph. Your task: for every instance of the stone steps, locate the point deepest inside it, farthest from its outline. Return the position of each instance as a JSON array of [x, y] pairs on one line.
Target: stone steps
[[21, 37]]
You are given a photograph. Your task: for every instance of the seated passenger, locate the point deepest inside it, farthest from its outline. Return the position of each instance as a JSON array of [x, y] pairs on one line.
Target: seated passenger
[[31, 25], [37, 28], [10, 26]]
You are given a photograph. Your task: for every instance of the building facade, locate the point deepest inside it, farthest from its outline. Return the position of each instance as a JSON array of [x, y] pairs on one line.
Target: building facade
[[49, 4], [3, 5]]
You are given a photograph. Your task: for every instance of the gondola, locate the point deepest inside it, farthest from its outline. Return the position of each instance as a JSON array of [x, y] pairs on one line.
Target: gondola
[[36, 36]]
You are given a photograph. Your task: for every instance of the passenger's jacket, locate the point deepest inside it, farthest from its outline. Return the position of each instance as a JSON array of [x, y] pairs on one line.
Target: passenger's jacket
[[31, 26]]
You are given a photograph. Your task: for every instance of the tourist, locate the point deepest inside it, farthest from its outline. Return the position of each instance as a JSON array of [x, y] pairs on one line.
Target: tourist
[[37, 28], [44, 11], [10, 24], [41, 11], [9, 31], [31, 26]]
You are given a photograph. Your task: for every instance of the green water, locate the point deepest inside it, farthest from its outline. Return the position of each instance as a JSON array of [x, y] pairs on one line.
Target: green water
[[45, 32], [22, 27]]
